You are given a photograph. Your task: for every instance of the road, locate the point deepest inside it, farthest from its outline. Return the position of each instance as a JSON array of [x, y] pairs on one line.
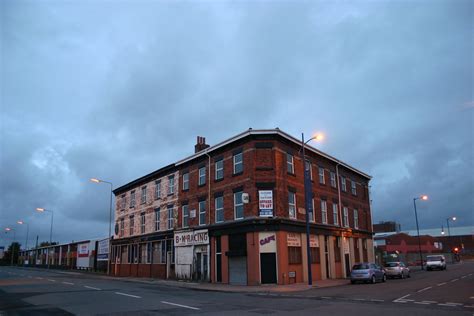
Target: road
[[26, 291]]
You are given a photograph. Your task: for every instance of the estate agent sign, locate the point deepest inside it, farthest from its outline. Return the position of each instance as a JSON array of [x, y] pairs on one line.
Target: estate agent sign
[[265, 202]]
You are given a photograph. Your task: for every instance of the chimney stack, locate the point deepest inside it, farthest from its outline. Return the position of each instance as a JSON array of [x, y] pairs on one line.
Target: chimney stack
[[200, 145]]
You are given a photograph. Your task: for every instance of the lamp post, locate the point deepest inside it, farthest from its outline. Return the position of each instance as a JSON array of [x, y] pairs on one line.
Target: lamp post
[[307, 202], [8, 229], [110, 216], [27, 231], [42, 210], [447, 222], [442, 230], [423, 198]]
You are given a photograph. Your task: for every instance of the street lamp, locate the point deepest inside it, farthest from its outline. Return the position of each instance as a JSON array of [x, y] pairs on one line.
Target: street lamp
[[27, 230], [447, 222], [110, 215], [307, 202], [423, 198], [442, 230], [8, 229], [42, 210]]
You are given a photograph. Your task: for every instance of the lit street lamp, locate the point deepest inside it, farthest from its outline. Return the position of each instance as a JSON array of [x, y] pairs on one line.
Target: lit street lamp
[[8, 229], [447, 222], [442, 230], [307, 201], [423, 198], [110, 216], [27, 231], [42, 210]]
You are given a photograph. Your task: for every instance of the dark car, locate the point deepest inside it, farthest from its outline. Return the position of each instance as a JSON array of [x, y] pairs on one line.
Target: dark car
[[367, 272]]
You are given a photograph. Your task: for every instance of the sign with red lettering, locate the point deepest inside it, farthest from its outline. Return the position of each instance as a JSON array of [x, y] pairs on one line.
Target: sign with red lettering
[[83, 250], [191, 238], [265, 203]]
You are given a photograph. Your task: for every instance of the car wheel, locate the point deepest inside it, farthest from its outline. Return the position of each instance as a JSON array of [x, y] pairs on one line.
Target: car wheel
[[384, 278], [408, 276], [353, 282], [402, 276], [373, 279]]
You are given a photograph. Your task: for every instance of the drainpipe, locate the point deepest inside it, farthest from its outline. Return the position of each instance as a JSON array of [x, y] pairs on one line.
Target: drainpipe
[[339, 195], [209, 187]]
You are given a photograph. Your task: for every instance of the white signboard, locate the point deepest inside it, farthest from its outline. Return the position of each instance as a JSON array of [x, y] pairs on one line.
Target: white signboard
[[267, 242], [103, 251], [265, 202], [293, 240], [190, 238], [313, 241], [83, 250], [192, 213], [345, 243]]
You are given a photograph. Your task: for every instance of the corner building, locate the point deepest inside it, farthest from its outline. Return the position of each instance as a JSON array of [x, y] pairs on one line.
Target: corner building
[[240, 216]]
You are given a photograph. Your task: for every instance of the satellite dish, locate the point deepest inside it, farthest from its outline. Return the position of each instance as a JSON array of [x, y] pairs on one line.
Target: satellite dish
[[245, 198]]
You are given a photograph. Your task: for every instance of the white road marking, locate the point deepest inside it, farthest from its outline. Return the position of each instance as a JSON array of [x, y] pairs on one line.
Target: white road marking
[[431, 302], [463, 277], [39, 278], [472, 297], [401, 298], [441, 283], [358, 299], [69, 283], [375, 300], [51, 280], [125, 294], [422, 303], [400, 301], [454, 280], [326, 297], [450, 304], [426, 288], [184, 306], [470, 306], [91, 287]]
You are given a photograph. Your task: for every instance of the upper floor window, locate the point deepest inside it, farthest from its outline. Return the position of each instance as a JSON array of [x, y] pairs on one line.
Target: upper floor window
[[122, 201], [356, 219], [171, 185], [353, 187], [132, 198], [343, 184], [219, 169], [143, 195], [132, 224], [202, 176], [346, 216], [290, 166], [158, 189], [311, 212], [238, 205], [309, 169], [202, 212], [333, 179], [186, 181], [238, 163], [122, 227], [335, 214], [219, 203], [142, 223], [321, 175], [157, 219], [292, 204], [185, 209], [324, 212], [170, 217]]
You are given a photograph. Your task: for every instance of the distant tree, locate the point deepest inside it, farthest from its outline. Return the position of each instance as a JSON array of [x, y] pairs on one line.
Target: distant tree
[[13, 248], [46, 243]]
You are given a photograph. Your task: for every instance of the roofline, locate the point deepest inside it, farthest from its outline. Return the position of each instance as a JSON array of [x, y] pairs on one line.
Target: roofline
[[278, 132], [151, 175]]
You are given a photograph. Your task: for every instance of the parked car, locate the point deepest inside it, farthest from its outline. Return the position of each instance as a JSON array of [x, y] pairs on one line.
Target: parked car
[[397, 269], [367, 272], [435, 262]]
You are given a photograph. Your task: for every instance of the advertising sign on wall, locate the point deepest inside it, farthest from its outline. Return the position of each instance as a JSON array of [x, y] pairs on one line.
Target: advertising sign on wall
[[293, 240], [267, 242], [83, 250], [345, 243], [265, 202], [190, 238], [103, 251], [313, 241]]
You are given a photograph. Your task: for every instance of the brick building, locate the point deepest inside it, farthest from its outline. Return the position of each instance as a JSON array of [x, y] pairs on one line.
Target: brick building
[[236, 215]]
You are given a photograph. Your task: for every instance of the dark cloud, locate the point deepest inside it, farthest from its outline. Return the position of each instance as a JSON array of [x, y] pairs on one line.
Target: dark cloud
[[117, 90]]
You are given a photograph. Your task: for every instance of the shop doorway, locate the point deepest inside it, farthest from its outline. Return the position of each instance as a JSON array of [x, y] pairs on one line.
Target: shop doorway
[[347, 261], [201, 266], [268, 268]]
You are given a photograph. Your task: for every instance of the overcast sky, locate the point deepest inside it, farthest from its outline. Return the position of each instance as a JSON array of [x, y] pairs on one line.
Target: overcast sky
[[116, 90]]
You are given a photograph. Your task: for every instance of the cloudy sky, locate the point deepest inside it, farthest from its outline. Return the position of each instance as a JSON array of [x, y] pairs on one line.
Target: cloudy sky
[[116, 90]]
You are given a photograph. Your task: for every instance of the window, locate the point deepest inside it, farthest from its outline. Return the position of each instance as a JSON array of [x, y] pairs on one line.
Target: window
[[143, 195], [123, 202], [238, 163], [294, 255], [142, 223], [148, 252], [356, 219], [335, 214], [219, 203], [132, 223], [170, 185], [122, 227], [311, 213], [292, 204], [346, 217], [333, 179], [202, 212], [219, 169], [132, 198], [343, 184], [158, 189], [324, 212], [353, 187], [309, 169], [315, 255], [202, 176], [186, 181], [290, 167], [157, 219], [238, 205], [321, 175], [185, 210], [170, 217]]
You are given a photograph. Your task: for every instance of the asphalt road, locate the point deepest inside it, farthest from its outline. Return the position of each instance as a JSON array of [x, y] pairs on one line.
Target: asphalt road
[[41, 292]]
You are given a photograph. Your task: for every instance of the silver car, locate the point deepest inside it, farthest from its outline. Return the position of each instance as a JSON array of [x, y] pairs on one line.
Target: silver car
[[435, 262], [397, 269], [367, 272]]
